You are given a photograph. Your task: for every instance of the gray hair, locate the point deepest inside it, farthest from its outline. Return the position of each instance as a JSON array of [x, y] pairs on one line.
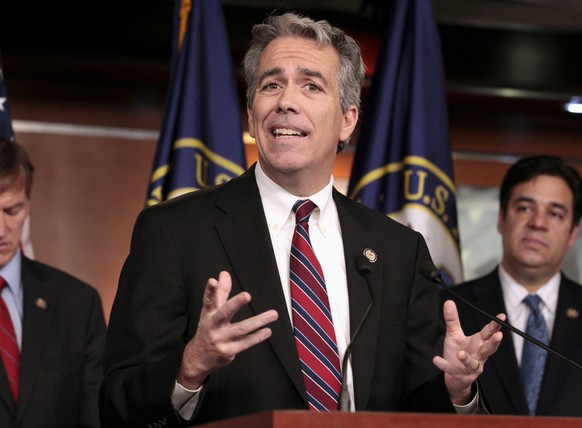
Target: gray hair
[[351, 70]]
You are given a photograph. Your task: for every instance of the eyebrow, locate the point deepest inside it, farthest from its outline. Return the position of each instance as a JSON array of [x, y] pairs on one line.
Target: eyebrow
[[269, 73], [14, 206], [312, 73], [304, 71]]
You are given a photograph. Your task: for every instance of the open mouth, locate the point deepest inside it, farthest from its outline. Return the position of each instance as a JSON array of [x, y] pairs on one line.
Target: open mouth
[[287, 132]]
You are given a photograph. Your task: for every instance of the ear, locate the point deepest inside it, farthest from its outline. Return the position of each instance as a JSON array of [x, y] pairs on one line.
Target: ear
[[349, 123], [500, 220], [574, 235], [250, 121]]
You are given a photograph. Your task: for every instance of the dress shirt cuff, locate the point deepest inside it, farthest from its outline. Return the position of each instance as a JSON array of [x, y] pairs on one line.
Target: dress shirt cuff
[[185, 400], [470, 408]]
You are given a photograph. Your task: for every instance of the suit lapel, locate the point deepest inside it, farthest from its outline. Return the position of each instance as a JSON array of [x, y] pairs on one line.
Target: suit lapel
[[503, 363], [38, 306], [566, 337], [241, 202], [356, 237], [246, 239], [5, 391]]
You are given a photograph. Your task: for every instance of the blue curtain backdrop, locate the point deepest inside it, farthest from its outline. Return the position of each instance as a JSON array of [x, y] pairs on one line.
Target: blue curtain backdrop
[[403, 165], [200, 142]]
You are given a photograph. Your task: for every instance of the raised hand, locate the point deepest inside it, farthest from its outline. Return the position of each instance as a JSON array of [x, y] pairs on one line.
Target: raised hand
[[217, 341], [464, 357]]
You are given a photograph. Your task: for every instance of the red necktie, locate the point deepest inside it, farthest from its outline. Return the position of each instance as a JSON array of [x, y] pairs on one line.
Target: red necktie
[[9, 346], [312, 322]]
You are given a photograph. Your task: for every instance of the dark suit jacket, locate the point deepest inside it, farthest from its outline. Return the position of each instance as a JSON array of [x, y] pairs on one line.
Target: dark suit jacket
[[562, 384], [63, 337], [178, 245]]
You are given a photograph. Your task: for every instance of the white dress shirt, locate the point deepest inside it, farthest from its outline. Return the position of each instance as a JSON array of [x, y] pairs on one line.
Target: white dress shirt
[[326, 239], [518, 312]]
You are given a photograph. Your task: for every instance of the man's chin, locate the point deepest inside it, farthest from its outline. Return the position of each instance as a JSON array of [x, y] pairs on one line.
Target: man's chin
[[6, 255], [534, 264]]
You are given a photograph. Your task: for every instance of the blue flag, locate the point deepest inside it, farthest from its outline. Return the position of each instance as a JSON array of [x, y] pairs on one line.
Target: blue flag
[[403, 165], [200, 142], [6, 131]]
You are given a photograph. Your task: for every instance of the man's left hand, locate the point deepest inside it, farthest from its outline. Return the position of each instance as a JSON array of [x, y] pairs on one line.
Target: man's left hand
[[464, 357]]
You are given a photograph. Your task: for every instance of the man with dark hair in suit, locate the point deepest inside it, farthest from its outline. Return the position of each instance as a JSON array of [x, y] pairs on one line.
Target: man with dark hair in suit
[[51, 324], [540, 204], [211, 319]]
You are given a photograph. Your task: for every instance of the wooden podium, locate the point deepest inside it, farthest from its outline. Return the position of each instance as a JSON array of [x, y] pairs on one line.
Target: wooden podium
[[306, 419]]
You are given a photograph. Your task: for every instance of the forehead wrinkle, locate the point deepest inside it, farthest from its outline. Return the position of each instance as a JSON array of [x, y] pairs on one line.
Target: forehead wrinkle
[[301, 70]]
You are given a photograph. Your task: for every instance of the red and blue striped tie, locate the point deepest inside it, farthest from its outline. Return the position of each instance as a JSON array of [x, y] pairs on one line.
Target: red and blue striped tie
[[9, 346], [312, 321]]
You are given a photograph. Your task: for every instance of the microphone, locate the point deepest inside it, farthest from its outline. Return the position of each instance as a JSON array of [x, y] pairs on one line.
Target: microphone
[[430, 272], [364, 269]]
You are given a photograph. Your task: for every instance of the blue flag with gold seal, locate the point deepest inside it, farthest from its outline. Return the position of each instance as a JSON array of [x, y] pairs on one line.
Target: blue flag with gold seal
[[403, 164], [200, 143], [6, 131]]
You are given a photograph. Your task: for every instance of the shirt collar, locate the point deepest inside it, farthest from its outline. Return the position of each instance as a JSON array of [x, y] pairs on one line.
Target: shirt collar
[[278, 203], [11, 273], [514, 293]]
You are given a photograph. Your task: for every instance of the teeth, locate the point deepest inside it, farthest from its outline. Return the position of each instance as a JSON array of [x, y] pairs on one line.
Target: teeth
[[286, 131]]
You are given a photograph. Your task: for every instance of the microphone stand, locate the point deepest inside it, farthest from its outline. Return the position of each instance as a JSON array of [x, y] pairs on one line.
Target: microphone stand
[[431, 273], [364, 269]]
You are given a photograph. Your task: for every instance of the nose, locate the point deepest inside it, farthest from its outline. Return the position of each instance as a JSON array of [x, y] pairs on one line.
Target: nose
[[538, 220], [288, 100], [2, 224]]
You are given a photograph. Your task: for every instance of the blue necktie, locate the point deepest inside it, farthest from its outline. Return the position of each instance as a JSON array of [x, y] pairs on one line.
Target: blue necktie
[[533, 359]]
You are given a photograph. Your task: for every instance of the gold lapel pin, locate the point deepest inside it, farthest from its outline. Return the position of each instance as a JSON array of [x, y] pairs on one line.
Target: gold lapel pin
[[572, 313], [370, 255], [41, 303]]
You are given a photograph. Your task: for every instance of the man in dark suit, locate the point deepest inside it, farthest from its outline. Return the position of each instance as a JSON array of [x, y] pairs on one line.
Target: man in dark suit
[[52, 324], [179, 352], [539, 220]]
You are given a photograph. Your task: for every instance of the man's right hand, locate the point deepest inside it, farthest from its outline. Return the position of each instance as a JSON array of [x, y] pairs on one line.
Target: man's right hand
[[217, 341]]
